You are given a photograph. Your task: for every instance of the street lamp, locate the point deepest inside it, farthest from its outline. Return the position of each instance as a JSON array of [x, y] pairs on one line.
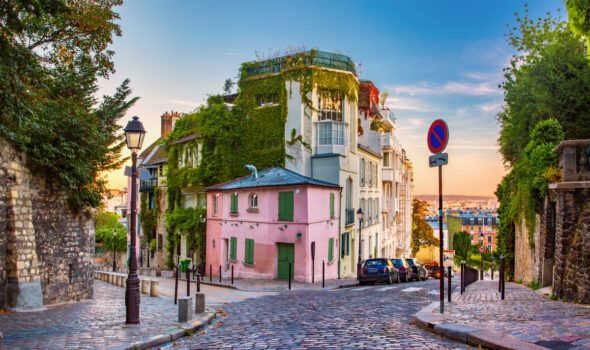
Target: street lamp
[[359, 215], [114, 251], [134, 135]]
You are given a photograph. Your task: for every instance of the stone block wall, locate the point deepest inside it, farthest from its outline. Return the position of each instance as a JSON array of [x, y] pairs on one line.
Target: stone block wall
[[571, 275], [526, 259], [46, 249]]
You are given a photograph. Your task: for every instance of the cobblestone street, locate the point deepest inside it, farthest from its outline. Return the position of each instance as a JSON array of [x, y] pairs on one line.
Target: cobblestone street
[[523, 315], [370, 317]]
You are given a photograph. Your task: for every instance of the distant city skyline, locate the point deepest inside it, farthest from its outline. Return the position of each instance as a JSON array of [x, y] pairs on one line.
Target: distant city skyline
[[177, 53]]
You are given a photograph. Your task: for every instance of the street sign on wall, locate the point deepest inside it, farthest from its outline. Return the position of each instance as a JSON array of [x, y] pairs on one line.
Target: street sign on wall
[[438, 136], [481, 249]]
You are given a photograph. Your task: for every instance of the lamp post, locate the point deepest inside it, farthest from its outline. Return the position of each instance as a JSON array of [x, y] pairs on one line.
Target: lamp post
[[114, 250], [134, 135], [359, 215]]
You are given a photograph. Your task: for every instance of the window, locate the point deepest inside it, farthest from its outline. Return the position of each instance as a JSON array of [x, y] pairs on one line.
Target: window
[[215, 200], [330, 109], [490, 248], [249, 254], [385, 159], [286, 206], [190, 156], [369, 212], [253, 201], [370, 174], [188, 200], [267, 100], [202, 200], [489, 239], [330, 249], [376, 175], [233, 248], [233, 208], [345, 244], [331, 204], [349, 193], [330, 133], [364, 224], [362, 171], [151, 202]]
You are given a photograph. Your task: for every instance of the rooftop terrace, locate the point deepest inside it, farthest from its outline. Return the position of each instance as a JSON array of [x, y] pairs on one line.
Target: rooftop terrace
[[307, 58]]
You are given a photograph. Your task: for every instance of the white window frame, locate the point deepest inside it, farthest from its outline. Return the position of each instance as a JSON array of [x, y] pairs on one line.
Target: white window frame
[[253, 200]]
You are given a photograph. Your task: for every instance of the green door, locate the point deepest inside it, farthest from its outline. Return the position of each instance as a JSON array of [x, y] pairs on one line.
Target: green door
[[286, 255]]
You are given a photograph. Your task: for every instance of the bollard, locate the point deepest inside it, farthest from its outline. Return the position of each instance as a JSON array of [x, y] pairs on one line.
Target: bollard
[[210, 273], [117, 280], [232, 274], [176, 285], [503, 278], [145, 286], [289, 275], [449, 282], [323, 273], [500, 277], [188, 281], [154, 288], [122, 281], [198, 283], [199, 303], [185, 309], [492, 274], [219, 273]]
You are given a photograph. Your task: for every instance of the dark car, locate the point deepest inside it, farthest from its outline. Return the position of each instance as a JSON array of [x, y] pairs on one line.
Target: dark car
[[433, 271], [419, 272], [378, 270], [405, 271]]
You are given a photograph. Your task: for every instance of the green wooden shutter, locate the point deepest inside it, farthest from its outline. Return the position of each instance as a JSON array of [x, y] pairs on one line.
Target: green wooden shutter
[[332, 204], [234, 203], [330, 249], [249, 253], [286, 206], [233, 248]]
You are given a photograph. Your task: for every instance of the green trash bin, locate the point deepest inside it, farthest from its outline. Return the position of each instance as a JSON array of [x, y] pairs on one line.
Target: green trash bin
[[183, 264]]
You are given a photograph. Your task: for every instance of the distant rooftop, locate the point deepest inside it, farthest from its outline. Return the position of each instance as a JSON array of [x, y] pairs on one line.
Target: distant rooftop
[[308, 58], [268, 178]]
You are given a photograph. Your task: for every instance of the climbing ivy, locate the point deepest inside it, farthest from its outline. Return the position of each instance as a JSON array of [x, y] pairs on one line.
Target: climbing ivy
[[149, 217]]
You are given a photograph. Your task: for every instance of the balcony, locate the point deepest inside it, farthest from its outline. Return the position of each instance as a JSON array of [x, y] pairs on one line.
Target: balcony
[[349, 216], [307, 58], [148, 185]]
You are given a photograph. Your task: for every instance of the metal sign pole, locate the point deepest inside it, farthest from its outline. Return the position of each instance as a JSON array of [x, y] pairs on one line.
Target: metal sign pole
[[441, 239]]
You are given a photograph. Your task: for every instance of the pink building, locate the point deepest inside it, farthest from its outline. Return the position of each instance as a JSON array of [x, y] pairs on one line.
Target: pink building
[[260, 223]]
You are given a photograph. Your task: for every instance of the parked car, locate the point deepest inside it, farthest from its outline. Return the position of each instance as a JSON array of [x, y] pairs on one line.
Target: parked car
[[419, 272], [433, 270], [378, 270], [405, 271]]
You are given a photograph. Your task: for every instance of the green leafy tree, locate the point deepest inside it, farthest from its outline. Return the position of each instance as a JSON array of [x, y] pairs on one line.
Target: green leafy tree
[[51, 53], [462, 244], [422, 233], [106, 223], [545, 101], [579, 18]]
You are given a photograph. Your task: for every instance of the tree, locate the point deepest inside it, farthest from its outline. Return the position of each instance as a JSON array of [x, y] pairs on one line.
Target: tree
[[51, 53], [106, 222], [422, 233], [227, 86], [579, 18], [462, 244]]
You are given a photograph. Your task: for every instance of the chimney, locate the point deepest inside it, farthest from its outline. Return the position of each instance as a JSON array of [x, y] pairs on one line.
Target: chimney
[[168, 121]]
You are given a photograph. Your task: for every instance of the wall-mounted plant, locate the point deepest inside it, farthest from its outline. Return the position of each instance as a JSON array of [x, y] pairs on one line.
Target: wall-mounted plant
[[299, 139]]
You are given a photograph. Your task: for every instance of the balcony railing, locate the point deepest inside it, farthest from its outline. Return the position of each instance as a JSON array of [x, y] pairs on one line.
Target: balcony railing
[[349, 216], [148, 185], [308, 58]]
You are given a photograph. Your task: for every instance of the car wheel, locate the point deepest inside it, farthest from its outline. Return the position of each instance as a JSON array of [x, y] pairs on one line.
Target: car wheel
[[390, 280], [398, 279]]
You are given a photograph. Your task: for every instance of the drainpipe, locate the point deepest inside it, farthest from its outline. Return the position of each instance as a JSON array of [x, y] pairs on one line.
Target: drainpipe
[[339, 232]]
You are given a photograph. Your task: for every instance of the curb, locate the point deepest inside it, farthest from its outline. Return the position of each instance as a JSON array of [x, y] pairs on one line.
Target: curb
[[473, 336], [174, 333], [229, 286]]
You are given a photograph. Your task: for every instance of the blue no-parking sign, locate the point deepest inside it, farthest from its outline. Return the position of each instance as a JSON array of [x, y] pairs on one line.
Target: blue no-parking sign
[[438, 136]]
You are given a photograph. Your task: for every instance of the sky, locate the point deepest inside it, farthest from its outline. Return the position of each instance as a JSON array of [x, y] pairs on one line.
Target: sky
[[437, 59]]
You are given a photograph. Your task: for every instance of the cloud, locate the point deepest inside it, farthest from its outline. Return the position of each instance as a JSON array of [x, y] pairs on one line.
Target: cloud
[[491, 106], [450, 88], [191, 104], [408, 104]]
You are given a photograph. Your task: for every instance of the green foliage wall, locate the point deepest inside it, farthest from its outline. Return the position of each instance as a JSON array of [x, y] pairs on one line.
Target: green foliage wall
[[106, 222]]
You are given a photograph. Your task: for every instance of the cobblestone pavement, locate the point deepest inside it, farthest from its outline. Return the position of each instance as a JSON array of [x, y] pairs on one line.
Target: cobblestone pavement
[[368, 317], [523, 315], [91, 324]]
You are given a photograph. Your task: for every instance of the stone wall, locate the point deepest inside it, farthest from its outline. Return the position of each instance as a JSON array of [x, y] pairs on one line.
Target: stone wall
[[572, 246], [525, 252], [46, 249]]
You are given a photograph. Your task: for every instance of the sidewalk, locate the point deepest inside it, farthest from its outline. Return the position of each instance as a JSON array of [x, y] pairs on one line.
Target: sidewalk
[[98, 323], [524, 320]]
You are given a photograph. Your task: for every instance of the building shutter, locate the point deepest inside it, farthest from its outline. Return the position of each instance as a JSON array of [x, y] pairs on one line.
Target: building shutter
[[286, 206], [234, 203], [233, 248], [330, 249], [249, 254], [331, 204]]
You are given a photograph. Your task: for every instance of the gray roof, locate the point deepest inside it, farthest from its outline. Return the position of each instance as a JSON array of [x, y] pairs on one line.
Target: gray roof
[[268, 178]]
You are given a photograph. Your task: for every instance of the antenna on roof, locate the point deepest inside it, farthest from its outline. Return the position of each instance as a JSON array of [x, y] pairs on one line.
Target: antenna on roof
[[252, 168]]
